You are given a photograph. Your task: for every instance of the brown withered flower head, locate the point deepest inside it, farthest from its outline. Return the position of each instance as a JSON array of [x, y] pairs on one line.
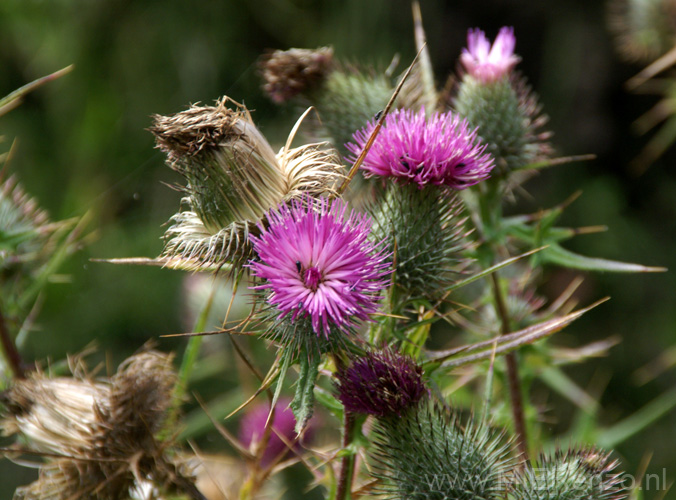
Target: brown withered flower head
[[99, 437], [233, 179]]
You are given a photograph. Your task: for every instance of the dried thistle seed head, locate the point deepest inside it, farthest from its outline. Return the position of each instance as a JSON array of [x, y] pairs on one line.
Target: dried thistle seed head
[[104, 430], [54, 415], [287, 73], [232, 172], [234, 178]]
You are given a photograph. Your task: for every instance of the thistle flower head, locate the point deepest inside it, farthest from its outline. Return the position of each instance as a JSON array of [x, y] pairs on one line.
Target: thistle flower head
[[489, 63], [440, 150], [316, 262], [287, 73], [381, 383], [233, 178], [252, 429]]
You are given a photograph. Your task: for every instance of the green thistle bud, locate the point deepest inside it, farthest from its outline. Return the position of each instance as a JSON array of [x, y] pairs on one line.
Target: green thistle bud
[[233, 179], [494, 100], [506, 114], [427, 454], [583, 474]]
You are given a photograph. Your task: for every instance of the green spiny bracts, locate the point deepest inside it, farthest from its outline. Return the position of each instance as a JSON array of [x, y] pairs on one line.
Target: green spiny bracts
[[347, 100], [507, 116], [25, 228], [426, 235], [582, 474], [427, 454], [233, 178]]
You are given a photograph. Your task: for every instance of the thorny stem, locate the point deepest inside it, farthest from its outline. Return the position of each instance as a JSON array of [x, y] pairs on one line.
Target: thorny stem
[[490, 212], [513, 380], [9, 348], [344, 485], [343, 491]]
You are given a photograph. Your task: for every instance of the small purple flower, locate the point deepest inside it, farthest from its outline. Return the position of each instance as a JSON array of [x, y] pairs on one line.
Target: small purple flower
[[440, 150], [252, 427], [382, 383], [485, 63], [317, 263]]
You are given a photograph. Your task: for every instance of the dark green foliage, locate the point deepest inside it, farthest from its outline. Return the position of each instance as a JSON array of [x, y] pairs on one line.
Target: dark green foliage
[[426, 235], [428, 455], [572, 475]]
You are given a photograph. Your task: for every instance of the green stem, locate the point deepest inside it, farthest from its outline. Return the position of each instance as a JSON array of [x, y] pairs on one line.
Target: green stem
[[344, 489], [9, 350]]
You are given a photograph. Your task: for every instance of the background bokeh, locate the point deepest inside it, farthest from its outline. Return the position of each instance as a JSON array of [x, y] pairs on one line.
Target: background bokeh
[[82, 148]]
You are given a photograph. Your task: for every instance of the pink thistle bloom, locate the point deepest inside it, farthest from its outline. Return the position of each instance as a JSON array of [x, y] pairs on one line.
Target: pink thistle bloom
[[252, 428], [318, 262], [485, 63], [440, 150]]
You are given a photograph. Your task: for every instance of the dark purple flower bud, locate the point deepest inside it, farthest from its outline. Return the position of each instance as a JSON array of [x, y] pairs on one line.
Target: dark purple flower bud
[[382, 383]]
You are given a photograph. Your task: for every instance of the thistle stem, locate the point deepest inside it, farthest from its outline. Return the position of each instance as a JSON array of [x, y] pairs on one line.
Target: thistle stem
[[344, 489], [513, 380], [10, 351]]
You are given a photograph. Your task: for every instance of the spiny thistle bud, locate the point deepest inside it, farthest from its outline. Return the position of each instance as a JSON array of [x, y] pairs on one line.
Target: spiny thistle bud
[[428, 454], [233, 178], [644, 30], [103, 430], [287, 73], [428, 158], [580, 474], [500, 104], [382, 383], [320, 272]]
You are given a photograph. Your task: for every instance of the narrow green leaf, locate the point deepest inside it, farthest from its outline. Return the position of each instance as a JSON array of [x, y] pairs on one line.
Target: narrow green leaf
[[15, 96], [304, 399], [556, 254], [623, 430], [505, 343], [490, 270]]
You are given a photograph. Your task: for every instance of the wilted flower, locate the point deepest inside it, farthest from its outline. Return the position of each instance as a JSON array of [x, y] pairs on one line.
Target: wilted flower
[[287, 73], [489, 63], [381, 383], [233, 178], [440, 150], [283, 434], [104, 430], [317, 262]]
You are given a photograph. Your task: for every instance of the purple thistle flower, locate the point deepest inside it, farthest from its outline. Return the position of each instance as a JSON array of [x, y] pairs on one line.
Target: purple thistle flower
[[439, 151], [489, 63], [252, 427], [319, 264], [382, 383]]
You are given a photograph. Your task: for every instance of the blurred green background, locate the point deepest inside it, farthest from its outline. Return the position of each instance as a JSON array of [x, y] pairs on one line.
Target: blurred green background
[[83, 148]]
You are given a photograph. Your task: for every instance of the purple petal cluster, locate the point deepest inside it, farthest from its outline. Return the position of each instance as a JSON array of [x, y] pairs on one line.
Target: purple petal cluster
[[439, 150], [382, 383], [317, 261], [489, 63], [252, 428]]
